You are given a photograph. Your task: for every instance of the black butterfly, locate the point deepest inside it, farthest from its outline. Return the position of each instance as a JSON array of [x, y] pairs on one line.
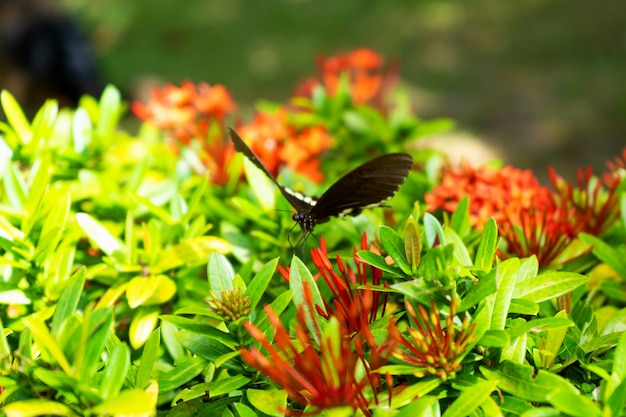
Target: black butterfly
[[367, 185]]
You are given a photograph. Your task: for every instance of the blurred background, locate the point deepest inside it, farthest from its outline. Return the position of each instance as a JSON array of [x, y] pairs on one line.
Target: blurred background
[[540, 82]]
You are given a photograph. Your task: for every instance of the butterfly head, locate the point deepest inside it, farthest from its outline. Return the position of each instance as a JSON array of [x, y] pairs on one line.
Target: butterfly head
[[305, 220]]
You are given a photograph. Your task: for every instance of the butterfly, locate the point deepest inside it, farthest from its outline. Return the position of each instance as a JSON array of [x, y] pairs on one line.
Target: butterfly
[[367, 185]]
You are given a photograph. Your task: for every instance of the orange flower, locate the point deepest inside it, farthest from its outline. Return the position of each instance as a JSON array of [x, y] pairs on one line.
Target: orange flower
[[186, 114], [278, 143], [492, 192], [365, 73]]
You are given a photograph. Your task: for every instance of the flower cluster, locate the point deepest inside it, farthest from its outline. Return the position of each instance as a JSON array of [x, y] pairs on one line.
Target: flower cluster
[[339, 370], [193, 116], [432, 347], [278, 142], [364, 72], [231, 305], [532, 219]]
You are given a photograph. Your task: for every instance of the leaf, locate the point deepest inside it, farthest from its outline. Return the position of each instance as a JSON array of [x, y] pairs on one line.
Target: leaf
[[189, 252], [81, 130], [522, 382], [149, 357], [460, 220], [506, 276], [270, 402], [486, 251], [115, 372], [607, 254], [151, 290], [379, 262], [142, 324], [227, 385], [573, 404], [394, 246], [220, 274], [15, 117], [486, 286], [133, 402], [110, 111], [46, 342], [184, 371], [100, 235], [263, 188], [259, 283], [460, 251], [204, 329], [66, 306], [36, 407], [471, 398], [548, 285], [412, 243], [433, 230]]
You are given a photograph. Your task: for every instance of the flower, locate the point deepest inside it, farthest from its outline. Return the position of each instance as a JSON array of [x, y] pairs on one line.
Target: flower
[[187, 115], [364, 72], [356, 307], [492, 192], [231, 305], [433, 347], [339, 371], [278, 142]]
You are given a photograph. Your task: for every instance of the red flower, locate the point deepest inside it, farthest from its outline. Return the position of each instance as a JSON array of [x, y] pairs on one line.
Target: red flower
[[277, 142], [356, 307], [433, 347], [337, 372]]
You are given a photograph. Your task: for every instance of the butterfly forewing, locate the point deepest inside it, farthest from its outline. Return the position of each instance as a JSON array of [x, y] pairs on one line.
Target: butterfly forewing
[[299, 202], [367, 185]]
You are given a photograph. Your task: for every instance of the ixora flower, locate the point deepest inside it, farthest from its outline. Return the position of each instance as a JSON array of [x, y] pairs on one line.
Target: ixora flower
[[356, 307], [432, 347], [337, 372], [231, 305], [188, 114], [365, 73], [532, 219], [278, 142]]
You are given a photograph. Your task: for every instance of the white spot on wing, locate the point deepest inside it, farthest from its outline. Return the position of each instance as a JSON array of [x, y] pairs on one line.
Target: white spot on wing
[[309, 200]]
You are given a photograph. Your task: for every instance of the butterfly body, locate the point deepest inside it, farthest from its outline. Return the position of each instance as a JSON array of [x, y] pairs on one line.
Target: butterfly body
[[367, 185]]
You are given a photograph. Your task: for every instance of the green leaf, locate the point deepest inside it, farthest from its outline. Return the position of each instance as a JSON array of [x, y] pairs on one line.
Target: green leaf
[[220, 274], [149, 357], [460, 252], [115, 372], [110, 111], [520, 326], [573, 404], [227, 385], [263, 188], [81, 130], [471, 398], [204, 329], [526, 307], [486, 251], [613, 257], [150, 290], [100, 235], [47, 343], [460, 221], [36, 407], [506, 276], [15, 117], [486, 286], [548, 285], [133, 402], [433, 230], [412, 243], [394, 246], [495, 338], [618, 372], [259, 283], [522, 381], [379, 262], [143, 322], [185, 370], [189, 252], [270, 402], [426, 406], [66, 306]]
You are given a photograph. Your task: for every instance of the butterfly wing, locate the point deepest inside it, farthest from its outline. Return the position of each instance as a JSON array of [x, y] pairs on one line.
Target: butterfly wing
[[299, 202], [368, 185]]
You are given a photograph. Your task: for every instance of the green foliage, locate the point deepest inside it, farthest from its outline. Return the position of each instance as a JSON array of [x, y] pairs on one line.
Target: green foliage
[[130, 285]]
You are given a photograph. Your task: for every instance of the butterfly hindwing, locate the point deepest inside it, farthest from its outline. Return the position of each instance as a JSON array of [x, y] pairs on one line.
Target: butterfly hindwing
[[367, 185]]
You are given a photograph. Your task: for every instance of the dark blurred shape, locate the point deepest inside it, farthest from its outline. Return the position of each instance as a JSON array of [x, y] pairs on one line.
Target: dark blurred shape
[[44, 55]]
